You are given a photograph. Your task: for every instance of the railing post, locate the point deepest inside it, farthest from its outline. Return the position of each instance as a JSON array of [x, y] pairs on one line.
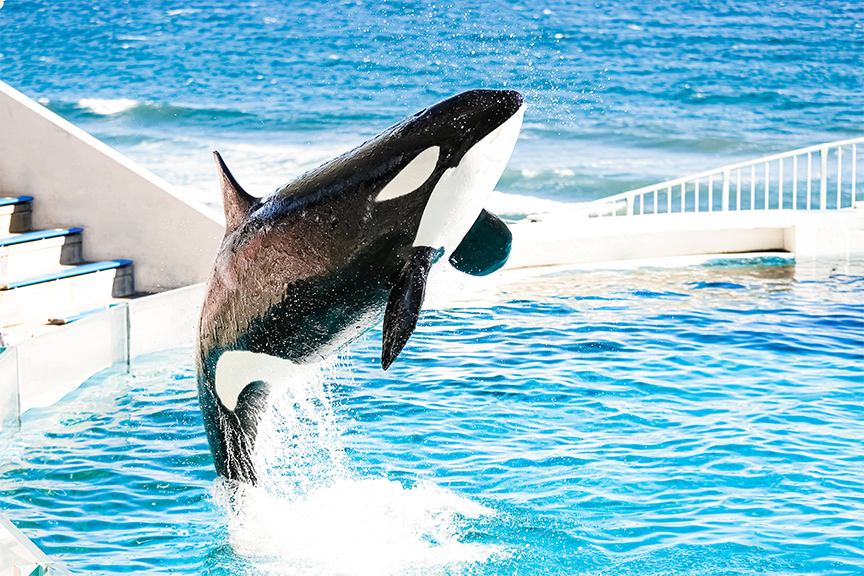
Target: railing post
[[696, 201], [710, 193], [780, 183], [823, 178], [839, 173], [753, 187], [738, 191], [725, 190], [629, 205], [795, 182]]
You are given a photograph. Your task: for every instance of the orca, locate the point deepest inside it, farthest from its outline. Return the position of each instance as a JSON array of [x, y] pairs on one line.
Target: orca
[[307, 269]]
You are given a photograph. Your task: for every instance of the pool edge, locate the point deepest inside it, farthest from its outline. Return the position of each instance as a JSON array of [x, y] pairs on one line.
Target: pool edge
[[21, 555]]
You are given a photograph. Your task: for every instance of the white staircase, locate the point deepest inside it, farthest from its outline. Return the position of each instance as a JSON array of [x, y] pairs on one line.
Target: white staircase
[[43, 278]]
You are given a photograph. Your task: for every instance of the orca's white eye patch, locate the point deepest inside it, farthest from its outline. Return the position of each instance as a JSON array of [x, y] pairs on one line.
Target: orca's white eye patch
[[412, 177]]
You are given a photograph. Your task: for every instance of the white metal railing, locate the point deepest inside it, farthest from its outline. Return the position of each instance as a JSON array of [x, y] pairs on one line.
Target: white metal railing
[[821, 177]]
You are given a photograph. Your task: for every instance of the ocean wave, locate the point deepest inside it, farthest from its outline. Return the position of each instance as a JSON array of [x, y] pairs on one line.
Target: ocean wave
[[566, 185], [146, 111], [624, 139], [107, 107], [251, 117], [517, 206]]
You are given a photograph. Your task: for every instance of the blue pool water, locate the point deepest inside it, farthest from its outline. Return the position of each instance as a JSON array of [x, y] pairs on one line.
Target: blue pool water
[[698, 420]]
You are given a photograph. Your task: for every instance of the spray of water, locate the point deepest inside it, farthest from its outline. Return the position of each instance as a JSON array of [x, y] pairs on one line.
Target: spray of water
[[313, 513]]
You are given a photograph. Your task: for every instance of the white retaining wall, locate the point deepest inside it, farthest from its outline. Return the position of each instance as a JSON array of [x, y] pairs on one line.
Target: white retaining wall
[[569, 239], [41, 370], [20, 557], [125, 210]]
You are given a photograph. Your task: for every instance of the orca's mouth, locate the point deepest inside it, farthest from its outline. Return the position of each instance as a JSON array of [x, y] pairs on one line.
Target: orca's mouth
[[500, 104]]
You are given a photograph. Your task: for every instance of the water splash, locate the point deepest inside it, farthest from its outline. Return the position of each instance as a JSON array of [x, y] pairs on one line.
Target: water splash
[[313, 513], [300, 445]]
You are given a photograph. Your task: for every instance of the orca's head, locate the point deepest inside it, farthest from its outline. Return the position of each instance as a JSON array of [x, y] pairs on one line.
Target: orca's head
[[451, 155], [440, 166]]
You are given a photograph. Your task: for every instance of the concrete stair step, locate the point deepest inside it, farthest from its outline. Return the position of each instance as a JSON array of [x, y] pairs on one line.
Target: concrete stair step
[[74, 287], [15, 214], [23, 324], [35, 253]]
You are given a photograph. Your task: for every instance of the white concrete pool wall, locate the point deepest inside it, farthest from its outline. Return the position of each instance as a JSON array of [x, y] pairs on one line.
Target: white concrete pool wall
[[125, 210], [41, 370], [568, 238]]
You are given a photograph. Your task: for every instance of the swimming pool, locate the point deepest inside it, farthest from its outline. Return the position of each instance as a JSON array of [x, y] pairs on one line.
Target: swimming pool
[[695, 420]]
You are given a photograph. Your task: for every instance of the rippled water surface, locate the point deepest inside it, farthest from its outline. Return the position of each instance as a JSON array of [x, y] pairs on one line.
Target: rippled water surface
[[695, 420]]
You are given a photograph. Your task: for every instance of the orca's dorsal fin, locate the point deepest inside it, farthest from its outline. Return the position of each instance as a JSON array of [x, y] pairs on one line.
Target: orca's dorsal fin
[[485, 248], [237, 202], [406, 299]]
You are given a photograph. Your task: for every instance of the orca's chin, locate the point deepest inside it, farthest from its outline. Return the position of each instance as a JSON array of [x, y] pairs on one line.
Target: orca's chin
[[462, 191]]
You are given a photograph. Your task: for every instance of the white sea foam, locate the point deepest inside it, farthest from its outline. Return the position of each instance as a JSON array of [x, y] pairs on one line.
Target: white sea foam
[[260, 168], [312, 514], [106, 107], [356, 526], [515, 205], [182, 11]]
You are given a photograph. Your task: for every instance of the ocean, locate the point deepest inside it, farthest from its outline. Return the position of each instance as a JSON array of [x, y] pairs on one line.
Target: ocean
[[620, 94], [696, 420]]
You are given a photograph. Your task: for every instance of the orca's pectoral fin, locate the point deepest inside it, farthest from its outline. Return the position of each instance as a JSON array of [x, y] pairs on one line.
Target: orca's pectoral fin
[[406, 299], [485, 248]]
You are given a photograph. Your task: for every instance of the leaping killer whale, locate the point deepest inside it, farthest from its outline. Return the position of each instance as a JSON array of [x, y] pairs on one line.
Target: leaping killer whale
[[306, 270]]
